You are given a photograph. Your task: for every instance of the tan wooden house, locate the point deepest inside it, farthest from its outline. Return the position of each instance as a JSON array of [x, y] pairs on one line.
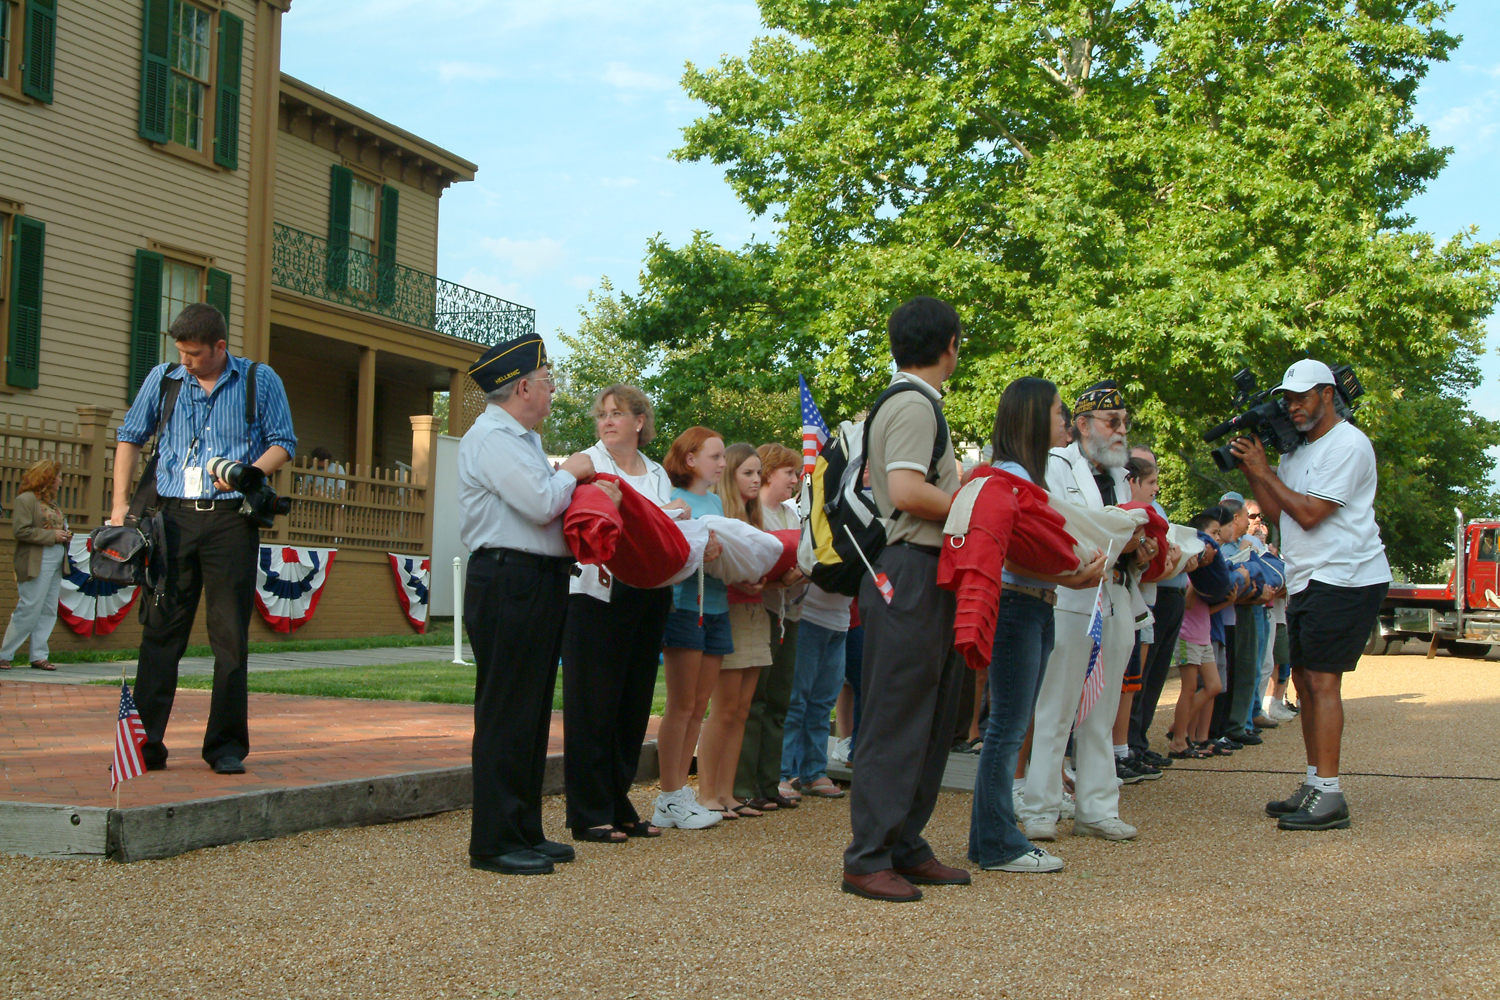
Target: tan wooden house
[[152, 154]]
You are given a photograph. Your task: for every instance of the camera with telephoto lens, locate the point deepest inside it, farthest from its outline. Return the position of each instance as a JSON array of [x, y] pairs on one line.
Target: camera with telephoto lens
[[261, 502], [1264, 416]]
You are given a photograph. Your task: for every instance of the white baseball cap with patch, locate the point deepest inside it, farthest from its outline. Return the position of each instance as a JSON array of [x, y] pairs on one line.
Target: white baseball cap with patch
[[1305, 374]]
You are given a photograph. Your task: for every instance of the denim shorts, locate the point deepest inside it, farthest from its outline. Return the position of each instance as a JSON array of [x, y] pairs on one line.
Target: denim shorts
[[712, 637]]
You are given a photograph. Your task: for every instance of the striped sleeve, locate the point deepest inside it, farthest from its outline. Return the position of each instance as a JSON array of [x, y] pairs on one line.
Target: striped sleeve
[[273, 412], [140, 420]]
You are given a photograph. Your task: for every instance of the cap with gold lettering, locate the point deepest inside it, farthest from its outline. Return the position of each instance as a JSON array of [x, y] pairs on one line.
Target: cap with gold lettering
[[504, 363]]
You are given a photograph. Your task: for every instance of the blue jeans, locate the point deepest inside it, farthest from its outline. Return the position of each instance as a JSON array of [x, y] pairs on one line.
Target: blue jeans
[[815, 688], [1264, 632], [1023, 642]]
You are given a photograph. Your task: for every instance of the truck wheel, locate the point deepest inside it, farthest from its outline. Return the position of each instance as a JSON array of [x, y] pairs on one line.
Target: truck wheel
[[1471, 650], [1378, 643]]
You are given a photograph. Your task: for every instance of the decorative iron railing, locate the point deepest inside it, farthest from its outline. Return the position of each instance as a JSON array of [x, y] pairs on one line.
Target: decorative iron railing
[[307, 264]]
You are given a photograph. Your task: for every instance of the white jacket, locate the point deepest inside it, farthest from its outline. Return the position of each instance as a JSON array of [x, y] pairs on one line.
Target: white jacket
[[1070, 479]]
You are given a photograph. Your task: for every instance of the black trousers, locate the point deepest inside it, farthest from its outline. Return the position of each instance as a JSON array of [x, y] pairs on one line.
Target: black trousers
[[1240, 642], [210, 552], [610, 658], [1168, 614], [911, 688], [514, 615]]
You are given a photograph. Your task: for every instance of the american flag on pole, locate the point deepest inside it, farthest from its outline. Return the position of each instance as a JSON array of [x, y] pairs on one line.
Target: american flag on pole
[[1093, 679], [130, 736], [814, 430]]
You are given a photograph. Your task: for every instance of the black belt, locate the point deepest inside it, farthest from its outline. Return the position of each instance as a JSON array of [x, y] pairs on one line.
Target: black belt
[[515, 557], [202, 505], [932, 550]]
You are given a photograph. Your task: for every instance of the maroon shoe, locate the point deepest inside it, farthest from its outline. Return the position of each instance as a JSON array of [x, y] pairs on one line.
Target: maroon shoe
[[885, 885], [934, 872]]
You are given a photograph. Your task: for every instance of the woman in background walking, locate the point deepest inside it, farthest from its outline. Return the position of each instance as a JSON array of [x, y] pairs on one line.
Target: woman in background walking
[[42, 538]]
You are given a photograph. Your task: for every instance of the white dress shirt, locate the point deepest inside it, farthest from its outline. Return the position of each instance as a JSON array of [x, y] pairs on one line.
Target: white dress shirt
[[508, 495]]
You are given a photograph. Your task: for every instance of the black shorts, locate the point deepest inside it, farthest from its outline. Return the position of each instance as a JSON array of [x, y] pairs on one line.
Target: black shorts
[[1329, 626]]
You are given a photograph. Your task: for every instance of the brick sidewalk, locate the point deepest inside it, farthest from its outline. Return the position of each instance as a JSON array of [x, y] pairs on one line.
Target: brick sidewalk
[[57, 741]]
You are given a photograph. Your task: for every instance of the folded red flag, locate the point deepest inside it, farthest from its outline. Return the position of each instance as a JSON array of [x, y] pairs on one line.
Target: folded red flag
[[638, 543], [1156, 528], [790, 539]]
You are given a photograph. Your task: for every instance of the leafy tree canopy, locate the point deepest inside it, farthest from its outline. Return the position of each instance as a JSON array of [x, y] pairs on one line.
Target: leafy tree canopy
[[1159, 192]]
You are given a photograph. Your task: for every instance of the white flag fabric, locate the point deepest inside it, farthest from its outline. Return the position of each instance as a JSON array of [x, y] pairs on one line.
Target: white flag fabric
[[413, 582], [288, 583]]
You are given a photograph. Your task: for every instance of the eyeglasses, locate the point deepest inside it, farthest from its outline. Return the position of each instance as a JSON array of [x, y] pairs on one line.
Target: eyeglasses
[[1255, 517], [1113, 423], [546, 380]]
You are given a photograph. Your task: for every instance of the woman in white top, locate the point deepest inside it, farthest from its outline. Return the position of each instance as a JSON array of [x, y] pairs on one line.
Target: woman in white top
[[611, 644]]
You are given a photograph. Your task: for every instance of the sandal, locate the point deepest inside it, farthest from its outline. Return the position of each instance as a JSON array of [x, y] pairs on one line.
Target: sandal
[[1189, 752], [4, 664], [824, 788], [789, 790], [42, 665], [746, 810], [785, 803], [600, 835], [763, 804], [639, 829]]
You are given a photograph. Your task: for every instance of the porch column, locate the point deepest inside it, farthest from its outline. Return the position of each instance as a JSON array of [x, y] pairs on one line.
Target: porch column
[[456, 422], [424, 434], [364, 418], [93, 428]]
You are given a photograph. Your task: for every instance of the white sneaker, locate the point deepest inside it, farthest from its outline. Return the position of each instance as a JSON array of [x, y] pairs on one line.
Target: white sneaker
[[1017, 800], [1041, 829], [1069, 807], [1280, 713], [676, 809], [1034, 860], [839, 756], [1110, 828]]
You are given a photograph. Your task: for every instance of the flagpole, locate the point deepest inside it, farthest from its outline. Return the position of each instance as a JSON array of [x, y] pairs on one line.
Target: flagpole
[[117, 777]]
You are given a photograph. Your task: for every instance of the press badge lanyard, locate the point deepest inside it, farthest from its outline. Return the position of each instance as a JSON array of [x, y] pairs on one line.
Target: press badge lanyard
[[192, 475]]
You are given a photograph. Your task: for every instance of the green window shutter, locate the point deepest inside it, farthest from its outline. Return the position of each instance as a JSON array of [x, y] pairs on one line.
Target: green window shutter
[[216, 293], [227, 120], [156, 71], [41, 49], [23, 362], [385, 285], [340, 190], [145, 322]]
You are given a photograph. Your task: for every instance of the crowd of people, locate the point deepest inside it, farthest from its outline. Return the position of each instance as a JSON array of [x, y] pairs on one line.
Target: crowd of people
[[753, 671]]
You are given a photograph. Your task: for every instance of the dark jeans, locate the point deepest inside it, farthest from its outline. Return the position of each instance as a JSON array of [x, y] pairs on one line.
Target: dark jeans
[[514, 615], [611, 653], [1168, 614], [1023, 642], [854, 655], [212, 552], [1240, 643], [911, 698], [760, 754]]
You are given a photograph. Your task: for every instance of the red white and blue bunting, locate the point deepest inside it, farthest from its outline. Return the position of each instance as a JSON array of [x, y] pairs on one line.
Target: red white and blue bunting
[[288, 583], [90, 606], [413, 579]]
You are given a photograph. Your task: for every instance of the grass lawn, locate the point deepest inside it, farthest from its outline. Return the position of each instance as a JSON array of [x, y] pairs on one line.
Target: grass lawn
[[437, 681], [437, 634]]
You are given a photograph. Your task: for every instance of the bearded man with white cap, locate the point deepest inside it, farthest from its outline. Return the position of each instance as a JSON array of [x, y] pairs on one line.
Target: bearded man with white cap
[[1089, 474], [1324, 496]]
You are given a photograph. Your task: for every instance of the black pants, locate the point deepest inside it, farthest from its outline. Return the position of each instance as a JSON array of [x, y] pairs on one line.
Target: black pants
[[1240, 643], [211, 552], [514, 615], [610, 657], [911, 688], [1168, 614]]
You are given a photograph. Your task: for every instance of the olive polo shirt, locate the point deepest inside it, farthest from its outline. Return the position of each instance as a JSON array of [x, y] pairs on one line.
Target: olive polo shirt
[[901, 437]]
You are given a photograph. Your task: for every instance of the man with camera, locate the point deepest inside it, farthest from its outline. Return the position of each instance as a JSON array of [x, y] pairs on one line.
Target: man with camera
[[1323, 492], [220, 408]]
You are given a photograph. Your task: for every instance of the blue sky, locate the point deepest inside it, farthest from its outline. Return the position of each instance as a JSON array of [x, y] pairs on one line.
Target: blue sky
[[571, 107]]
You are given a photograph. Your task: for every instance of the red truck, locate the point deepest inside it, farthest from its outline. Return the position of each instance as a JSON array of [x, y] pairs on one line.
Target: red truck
[[1462, 615]]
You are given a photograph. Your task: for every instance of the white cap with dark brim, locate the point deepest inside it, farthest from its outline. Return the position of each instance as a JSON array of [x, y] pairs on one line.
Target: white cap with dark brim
[[1304, 375]]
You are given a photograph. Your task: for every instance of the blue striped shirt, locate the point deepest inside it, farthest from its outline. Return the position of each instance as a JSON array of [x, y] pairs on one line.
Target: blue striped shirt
[[216, 421]]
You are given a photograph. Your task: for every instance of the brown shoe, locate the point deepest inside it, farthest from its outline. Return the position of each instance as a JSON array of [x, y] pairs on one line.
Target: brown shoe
[[934, 872], [886, 886]]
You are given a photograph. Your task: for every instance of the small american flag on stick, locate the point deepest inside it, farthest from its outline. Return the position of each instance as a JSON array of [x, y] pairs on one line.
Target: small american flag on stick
[[814, 429], [1093, 678], [882, 582], [130, 736]]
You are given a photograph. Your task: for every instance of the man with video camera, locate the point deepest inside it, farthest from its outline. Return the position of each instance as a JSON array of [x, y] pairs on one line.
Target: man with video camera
[[220, 407], [1323, 492]]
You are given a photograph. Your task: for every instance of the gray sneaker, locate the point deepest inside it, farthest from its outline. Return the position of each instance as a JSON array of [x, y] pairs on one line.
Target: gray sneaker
[[1288, 805], [1320, 811]]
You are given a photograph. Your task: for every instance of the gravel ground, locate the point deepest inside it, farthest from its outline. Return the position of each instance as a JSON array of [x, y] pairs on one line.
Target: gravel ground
[[1212, 901]]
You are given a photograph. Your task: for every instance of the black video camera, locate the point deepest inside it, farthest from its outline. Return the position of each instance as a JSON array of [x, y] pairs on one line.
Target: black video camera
[[1265, 416], [261, 502]]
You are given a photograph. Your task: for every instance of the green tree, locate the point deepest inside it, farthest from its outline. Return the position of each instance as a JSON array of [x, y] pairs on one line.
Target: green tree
[[1159, 192]]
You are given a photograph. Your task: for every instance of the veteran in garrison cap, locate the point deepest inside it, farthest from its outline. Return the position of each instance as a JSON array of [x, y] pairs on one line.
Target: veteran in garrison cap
[[511, 503]]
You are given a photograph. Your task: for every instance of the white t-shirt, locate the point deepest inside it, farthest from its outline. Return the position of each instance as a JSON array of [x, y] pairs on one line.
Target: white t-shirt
[[831, 611], [654, 485], [1344, 550], [783, 601]]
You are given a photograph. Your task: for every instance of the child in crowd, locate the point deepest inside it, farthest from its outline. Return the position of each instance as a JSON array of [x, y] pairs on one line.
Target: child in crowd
[[697, 637], [1197, 663], [738, 490]]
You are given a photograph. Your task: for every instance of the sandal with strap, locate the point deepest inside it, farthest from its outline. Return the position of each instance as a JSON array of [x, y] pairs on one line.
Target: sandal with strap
[[600, 835], [824, 788], [746, 810], [43, 665], [640, 829], [763, 804]]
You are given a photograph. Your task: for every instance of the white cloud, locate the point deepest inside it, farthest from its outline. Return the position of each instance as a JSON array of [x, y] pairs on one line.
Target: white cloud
[[527, 258], [450, 72], [617, 182], [619, 75]]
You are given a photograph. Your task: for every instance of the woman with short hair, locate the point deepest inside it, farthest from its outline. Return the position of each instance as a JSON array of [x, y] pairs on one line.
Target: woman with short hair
[[611, 644], [42, 538]]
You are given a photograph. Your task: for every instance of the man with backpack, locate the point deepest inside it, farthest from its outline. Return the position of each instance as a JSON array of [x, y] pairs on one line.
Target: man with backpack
[[211, 405], [910, 684]]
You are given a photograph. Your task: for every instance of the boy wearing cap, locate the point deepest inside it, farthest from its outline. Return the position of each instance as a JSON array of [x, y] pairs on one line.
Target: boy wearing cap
[[1337, 574], [515, 597]]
